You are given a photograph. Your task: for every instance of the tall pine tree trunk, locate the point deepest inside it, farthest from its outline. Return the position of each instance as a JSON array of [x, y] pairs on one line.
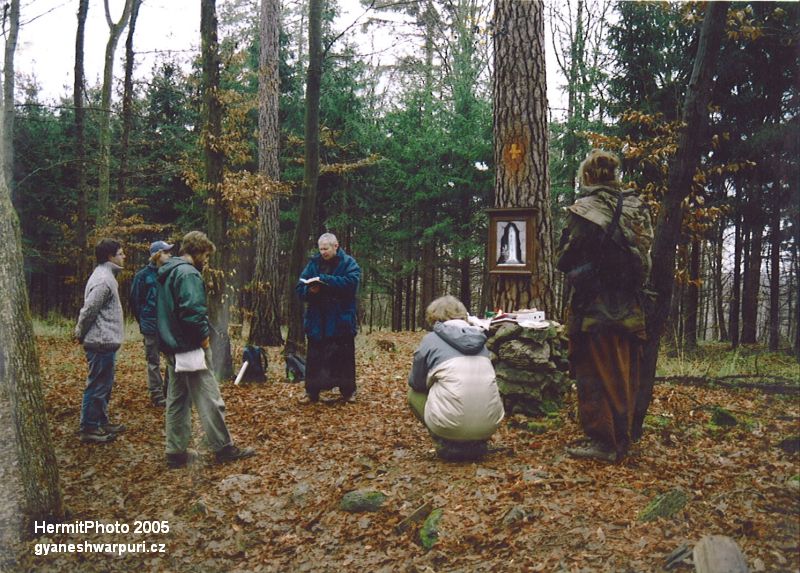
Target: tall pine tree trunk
[[681, 173], [20, 374], [104, 185], [752, 277], [775, 279], [219, 299], [692, 297], [722, 331], [521, 147], [127, 105], [295, 338], [8, 93], [736, 279], [266, 323], [78, 98]]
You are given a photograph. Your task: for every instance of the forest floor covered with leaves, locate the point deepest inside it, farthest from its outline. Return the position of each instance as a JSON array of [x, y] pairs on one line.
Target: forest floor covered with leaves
[[525, 507]]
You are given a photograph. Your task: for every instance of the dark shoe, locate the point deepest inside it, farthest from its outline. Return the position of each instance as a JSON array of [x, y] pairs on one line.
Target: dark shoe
[[113, 428], [232, 453], [592, 450], [181, 460], [158, 401], [351, 399], [461, 451], [96, 435]]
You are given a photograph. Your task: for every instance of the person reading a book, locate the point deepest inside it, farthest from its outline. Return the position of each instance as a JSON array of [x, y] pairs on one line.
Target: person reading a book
[[605, 252], [453, 389], [328, 285]]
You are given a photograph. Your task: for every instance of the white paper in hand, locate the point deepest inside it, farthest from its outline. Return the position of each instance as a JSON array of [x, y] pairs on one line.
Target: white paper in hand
[[191, 361]]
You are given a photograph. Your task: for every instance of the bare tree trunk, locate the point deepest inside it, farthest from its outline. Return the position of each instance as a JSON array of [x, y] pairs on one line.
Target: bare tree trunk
[[266, 323], [295, 338], [692, 297], [521, 146], [127, 104], [736, 286], [20, 374], [78, 96], [8, 93], [104, 186], [722, 331], [219, 299], [682, 170], [775, 279], [752, 276]]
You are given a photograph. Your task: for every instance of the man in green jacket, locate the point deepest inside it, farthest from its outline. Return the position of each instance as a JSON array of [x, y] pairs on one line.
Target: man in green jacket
[[183, 327]]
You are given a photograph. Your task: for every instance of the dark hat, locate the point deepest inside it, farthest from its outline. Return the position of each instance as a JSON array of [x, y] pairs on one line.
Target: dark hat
[[159, 246]]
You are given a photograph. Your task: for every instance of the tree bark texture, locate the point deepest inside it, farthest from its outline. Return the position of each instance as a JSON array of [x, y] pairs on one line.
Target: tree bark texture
[[20, 375], [736, 279], [722, 331], [752, 277], [295, 337], [521, 147], [682, 169], [775, 279], [104, 186], [219, 299], [127, 104], [692, 297], [82, 230], [266, 323], [8, 92]]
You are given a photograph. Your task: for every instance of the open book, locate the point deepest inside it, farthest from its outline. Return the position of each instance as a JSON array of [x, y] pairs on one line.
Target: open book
[[313, 280]]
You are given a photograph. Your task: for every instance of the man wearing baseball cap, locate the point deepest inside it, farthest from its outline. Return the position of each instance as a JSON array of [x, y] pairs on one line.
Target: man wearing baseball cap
[[143, 304]]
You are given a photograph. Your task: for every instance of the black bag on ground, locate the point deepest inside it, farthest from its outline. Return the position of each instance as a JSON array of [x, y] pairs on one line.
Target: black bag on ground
[[256, 359], [295, 368]]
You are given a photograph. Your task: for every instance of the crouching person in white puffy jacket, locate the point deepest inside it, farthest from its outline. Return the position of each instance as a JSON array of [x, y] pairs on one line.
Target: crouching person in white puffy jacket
[[453, 389]]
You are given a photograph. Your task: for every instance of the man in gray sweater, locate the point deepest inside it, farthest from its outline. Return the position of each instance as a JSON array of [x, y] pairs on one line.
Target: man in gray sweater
[[100, 329]]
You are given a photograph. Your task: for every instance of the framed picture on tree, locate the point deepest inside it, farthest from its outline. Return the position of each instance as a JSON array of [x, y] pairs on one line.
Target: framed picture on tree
[[511, 241]]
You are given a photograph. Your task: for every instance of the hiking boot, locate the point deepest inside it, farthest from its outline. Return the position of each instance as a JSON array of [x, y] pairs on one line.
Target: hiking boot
[[308, 399], [113, 428], [351, 399], [96, 435], [592, 450], [452, 451], [232, 453], [158, 401], [181, 460]]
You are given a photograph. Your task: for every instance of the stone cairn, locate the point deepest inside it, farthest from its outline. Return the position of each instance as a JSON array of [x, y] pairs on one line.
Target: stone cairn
[[531, 367]]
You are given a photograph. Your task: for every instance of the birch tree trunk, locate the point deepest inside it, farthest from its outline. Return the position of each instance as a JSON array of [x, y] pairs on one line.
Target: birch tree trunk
[[115, 31], [219, 299], [20, 374], [521, 147], [266, 323]]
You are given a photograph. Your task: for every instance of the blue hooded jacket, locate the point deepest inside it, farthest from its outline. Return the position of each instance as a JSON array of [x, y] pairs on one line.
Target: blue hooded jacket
[[332, 311], [143, 299]]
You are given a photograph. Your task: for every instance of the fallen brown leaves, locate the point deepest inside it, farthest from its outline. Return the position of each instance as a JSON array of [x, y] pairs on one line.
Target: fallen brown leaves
[[279, 510]]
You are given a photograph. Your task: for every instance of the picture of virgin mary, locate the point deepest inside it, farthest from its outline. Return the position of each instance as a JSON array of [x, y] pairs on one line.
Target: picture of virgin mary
[[511, 243]]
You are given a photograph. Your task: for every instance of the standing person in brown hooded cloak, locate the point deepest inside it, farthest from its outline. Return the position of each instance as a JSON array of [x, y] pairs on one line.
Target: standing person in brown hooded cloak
[[605, 252]]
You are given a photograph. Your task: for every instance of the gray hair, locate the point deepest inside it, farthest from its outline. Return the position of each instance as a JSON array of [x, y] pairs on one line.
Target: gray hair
[[445, 308], [328, 239]]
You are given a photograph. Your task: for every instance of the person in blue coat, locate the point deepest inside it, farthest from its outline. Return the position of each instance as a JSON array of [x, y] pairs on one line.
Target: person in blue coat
[[328, 285], [143, 304]]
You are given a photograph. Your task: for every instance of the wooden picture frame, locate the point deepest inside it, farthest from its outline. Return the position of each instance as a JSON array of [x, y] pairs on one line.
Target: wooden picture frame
[[511, 241]]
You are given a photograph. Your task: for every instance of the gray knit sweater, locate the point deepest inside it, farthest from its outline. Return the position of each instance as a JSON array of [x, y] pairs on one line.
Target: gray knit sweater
[[100, 325]]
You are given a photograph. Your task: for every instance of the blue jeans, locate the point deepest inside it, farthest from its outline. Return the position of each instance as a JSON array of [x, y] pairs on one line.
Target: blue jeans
[[94, 409]]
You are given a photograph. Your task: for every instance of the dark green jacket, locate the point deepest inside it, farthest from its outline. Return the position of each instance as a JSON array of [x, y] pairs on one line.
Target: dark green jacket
[[181, 308]]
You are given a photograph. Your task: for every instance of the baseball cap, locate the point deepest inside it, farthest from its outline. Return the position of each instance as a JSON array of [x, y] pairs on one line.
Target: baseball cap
[[159, 246]]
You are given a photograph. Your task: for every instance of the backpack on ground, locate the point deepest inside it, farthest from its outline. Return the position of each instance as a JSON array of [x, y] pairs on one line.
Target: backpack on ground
[[295, 367], [256, 359]]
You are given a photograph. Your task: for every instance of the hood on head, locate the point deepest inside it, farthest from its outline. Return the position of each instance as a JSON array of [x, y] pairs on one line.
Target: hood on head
[[461, 335]]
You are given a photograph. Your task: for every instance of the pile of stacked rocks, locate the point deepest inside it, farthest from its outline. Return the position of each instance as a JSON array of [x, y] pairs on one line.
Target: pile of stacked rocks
[[531, 366]]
